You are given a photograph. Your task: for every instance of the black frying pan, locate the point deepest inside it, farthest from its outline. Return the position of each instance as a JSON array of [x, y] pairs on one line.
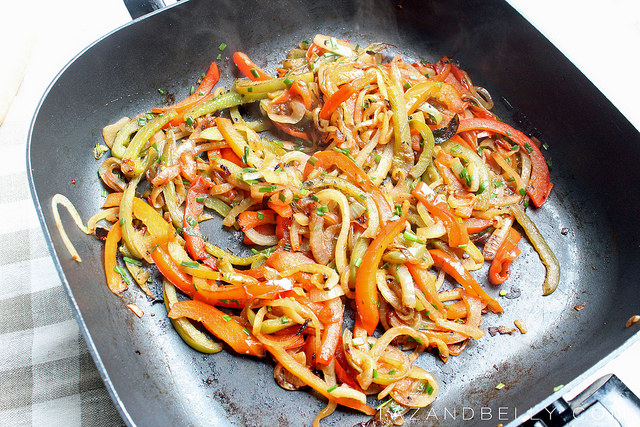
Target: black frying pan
[[590, 220]]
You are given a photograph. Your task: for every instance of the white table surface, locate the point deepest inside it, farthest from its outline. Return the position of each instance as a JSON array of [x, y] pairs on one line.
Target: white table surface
[[602, 39]]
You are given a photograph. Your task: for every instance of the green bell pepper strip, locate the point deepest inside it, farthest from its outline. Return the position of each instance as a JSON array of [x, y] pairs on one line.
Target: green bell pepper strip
[[195, 338], [123, 137], [131, 162], [226, 100], [251, 89], [427, 149], [552, 278]]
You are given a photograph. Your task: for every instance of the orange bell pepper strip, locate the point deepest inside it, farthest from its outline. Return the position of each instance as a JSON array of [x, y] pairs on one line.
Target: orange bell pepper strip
[[228, 154], [248, 220], [476, 225], [170, 270], [426, 286], [114, 280], [283, 209], [366, 288], [112, 200], [456, 230], [331, 332], [327, 159], [342, 94], [242, 292], [188, 165], [290, 130], [500, 269], [455, 269], [248, 68], [309, 378], [219, 324], [539, 184]]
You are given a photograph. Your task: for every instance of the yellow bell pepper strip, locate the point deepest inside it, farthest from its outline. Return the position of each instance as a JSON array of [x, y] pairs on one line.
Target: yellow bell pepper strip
[[332, 331], [219, 324], [500, 269], [114, 280], [248, 68], [552, 278], [237, 143], [334, 101], [195, 338], [327, 159], [366, 288], [428, 144], [342, 395], [539, 184], [131, 162], [194, 206], [436, 205], [455, 269]]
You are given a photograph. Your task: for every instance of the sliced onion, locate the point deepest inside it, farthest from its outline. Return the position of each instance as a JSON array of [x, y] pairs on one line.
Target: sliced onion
[[261, 239], [297, 112]]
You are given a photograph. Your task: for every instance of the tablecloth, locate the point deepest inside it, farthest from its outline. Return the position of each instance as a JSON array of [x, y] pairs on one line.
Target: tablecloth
[[47, 376]]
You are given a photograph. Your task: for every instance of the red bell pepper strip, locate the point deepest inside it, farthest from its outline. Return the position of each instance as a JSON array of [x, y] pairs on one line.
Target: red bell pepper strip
[[314, 49], [327, 159], [242, 292], [456, 230], [366, 288], [248, 68], [290, 130], [206, 86], [455, 269], [222, 326], [476, 225], [193, 209], [500, 269], [334, 101], [188, 165], [539, 184], [344, 371], [331, 332], [166, 175], [114, 280], [112, 200]]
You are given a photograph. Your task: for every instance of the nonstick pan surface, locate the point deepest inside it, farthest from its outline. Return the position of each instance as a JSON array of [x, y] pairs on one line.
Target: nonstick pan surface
[[590, 220]]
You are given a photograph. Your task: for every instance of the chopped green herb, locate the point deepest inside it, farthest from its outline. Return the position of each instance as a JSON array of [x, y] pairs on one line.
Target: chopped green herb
[[254, 72], [162, 92], [189, 121], [482, 187], [545, 146], [528, 147], [132, 261], [287, 81], [499, 386], [502, 292], [358, 262], [222, 46], [315, 198], [558, 387], [407, 86], [333, 387], [103, 193], [192, 90], [514, 148], [142, 121], [408, 235], [260, 215], [375, 373], [522, 192], [121, 221], [284, 320], [525, 204], [312, 160], [190, 264], [456, 148], [268, 189], [226, 317], [245, 330], [123, 274], [429, 389], [282, 197], [377, 158], [200, 199], [392, 372], [219, 57]]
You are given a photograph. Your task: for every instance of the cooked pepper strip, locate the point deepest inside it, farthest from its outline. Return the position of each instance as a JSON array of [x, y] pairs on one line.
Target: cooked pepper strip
[[366, 288], [539, 184], [334, 101], [500, 269], [225, 328], [437, 206], [114, 280], [331, 333], [455, 269], [192, 211], [248, 68], [327, 159]]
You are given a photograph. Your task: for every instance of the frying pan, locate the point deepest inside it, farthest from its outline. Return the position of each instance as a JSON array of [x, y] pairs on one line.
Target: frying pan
[[590, 220]]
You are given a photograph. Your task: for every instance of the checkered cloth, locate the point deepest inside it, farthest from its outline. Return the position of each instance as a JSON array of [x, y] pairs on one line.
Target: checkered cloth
[[47, 376]]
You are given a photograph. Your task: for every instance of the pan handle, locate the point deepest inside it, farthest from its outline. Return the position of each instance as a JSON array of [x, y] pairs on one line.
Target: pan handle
[[138, 8]]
